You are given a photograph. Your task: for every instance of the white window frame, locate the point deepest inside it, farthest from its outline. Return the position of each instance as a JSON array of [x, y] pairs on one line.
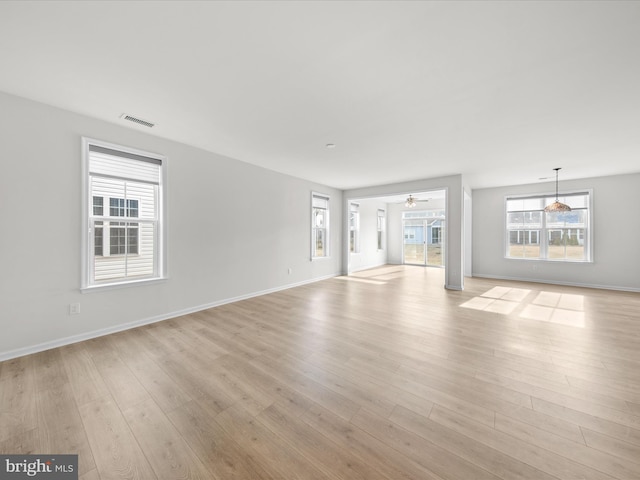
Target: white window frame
[[543, 234], [354, 229], [87, 247], [381, 228], [327, 228]]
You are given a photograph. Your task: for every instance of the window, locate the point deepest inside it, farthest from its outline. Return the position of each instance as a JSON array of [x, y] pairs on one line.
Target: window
[[381, 229], [123, 235], [354, 228], [319, 225], [533, 233], [436, 234]]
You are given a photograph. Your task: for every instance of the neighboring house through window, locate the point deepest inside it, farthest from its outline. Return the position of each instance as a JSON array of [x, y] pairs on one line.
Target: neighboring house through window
[[123, 234], [319, 225], [354, 228], [532, 233], [115, 238], [436, 232], [381, 229]]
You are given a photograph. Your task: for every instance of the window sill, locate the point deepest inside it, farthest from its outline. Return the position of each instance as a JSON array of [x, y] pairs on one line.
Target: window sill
[[116, 286], [549, 260]]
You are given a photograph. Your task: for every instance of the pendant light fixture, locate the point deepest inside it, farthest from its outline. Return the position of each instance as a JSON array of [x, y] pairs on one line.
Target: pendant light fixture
[[557, 206], [411, 202]]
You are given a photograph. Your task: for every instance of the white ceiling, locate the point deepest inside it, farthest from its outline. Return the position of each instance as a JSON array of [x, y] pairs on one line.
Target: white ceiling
[[422, 197], [501, 92]]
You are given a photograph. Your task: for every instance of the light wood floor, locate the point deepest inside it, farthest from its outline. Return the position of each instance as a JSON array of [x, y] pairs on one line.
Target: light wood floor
[[382, 375]]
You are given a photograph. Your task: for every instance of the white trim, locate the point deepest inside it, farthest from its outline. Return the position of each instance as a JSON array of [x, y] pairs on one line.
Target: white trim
[[84, 223], [327, 227], [557, 282], [119, 285], [589, 249], [356, 229], [447, 235], [160, 247], [382, 230], [19, 352]]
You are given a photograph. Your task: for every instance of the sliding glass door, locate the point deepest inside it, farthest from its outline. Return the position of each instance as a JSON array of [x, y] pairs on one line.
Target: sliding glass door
[[414, 251], [423, 238]]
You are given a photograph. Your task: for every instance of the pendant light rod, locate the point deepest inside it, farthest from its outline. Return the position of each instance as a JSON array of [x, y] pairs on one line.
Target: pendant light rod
[[557, 169]]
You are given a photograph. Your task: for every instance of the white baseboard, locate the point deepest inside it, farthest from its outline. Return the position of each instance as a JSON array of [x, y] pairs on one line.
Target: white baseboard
[[19, 352], [556, 282]]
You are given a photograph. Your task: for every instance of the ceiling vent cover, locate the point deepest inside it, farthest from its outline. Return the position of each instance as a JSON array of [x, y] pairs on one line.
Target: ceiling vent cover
[[139, 121]]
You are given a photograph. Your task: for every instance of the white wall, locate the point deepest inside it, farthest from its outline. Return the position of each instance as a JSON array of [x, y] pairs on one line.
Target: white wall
[[394, 233], [468, 234], [234, 229], [369, 255], [454, 278], [616, 236]]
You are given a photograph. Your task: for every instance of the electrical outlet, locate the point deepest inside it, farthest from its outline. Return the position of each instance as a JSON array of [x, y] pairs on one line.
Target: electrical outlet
[[74, 308]]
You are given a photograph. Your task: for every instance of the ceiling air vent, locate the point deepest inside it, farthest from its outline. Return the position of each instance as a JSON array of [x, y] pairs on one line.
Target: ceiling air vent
[[139, 121]]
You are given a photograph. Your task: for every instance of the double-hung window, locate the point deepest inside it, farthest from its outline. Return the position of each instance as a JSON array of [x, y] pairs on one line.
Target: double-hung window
[[561, 236], [123, 239], [319, 225], [381, 228], [354, 228]]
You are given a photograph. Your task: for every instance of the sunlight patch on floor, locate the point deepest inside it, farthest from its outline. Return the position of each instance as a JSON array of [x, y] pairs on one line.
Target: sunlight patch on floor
[[554, 315], [361, 280], [391, 276], [376, 272], [553, 307]]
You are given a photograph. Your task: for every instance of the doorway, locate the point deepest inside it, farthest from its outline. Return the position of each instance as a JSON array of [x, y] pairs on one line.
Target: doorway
[[423, 238]]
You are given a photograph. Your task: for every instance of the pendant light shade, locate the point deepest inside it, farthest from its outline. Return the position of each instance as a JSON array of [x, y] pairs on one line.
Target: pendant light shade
[[411, 202], [557, 206]]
